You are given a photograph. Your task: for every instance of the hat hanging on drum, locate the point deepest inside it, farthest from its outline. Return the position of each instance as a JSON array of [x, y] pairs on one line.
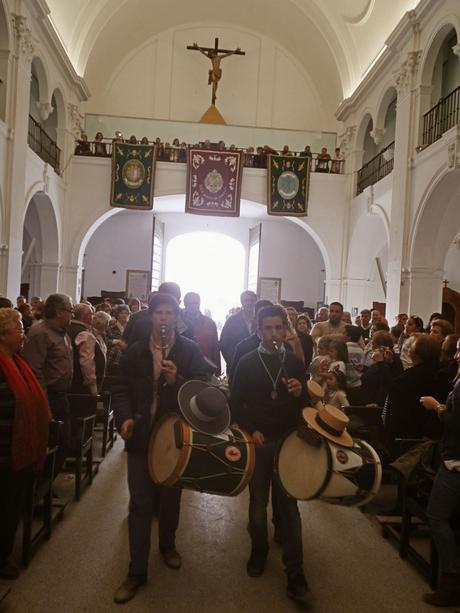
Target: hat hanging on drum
[[204, 406], [330, 422]]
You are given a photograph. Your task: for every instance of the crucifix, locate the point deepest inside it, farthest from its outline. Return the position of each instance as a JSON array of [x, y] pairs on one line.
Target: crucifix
[[215, 55]]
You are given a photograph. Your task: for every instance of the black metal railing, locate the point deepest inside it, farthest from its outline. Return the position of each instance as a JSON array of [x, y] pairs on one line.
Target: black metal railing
[[442, 117], [43, 145], [380, 166], [178, 153]]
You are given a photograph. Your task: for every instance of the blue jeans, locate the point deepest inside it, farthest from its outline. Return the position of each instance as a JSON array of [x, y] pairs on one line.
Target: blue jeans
[[289, 518], [444, 499]]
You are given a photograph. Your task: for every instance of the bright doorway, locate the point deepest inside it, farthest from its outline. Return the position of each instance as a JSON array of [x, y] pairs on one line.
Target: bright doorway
[[211, 264]]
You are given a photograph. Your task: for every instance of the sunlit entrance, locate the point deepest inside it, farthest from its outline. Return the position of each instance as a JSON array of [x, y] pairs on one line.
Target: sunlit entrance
[[211, 264]]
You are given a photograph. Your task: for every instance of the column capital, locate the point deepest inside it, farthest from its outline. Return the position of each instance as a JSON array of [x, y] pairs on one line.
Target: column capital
[[45, 109], [456, 50], [377, 135], [25, 44], [406, 72]]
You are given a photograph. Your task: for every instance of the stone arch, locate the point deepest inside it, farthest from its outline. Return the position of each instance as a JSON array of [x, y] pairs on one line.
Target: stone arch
[[435, 227], [58, 102], [40, 264], [38, 67], [382, 108], [364, 143]]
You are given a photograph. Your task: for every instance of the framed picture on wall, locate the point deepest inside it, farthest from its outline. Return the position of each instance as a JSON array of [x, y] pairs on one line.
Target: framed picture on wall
[[138, 284], [269, 289]]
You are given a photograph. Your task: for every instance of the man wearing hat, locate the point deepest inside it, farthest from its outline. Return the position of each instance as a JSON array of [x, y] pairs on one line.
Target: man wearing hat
[[267, 398], [152, 370]]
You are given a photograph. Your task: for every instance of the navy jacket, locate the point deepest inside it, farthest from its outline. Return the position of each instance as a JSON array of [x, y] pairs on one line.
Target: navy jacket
[[132, 391]]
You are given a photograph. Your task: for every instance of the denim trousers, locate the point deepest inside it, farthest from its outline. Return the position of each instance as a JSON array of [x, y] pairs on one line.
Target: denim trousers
[[444, 500], [289, 517], [143, 494]]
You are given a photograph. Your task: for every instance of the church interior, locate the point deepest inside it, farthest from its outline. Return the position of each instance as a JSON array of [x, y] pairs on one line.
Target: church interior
[[364, 93]]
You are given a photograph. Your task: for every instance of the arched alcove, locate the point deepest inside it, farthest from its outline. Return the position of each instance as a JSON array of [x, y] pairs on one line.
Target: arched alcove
[[364, 142], [39, 88], [40, 261], [122, 241], [386, 118]]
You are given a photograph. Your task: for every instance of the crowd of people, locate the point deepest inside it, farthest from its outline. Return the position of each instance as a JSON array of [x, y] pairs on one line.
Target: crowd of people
[[254, 157], [51, 348]]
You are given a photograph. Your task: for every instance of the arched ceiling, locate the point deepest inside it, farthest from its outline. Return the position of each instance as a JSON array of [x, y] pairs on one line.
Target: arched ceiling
[[335, 40]]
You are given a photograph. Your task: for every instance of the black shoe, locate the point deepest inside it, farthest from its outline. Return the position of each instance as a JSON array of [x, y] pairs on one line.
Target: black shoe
[[171, 558], [128, 588], [297, 588], [256, 564]]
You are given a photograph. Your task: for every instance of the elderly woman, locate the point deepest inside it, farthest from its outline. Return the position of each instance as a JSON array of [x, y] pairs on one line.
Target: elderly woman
[[24, 419], [115, 343], [385, 368], [403, 415]]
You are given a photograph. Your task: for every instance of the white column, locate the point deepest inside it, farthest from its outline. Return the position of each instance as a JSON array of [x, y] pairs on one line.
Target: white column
[[425, 291], [18, 105], [70, 281], [405, 141]]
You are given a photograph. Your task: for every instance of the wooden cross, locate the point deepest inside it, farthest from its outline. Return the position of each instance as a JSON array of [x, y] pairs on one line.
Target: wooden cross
[[446, 282], [216, 55]]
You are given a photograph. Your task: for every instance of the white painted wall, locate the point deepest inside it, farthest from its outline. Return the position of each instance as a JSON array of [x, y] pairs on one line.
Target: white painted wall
[[122, 242], [452, 267]]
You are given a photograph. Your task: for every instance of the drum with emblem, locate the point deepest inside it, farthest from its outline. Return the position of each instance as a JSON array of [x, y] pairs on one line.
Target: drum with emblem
[[180, 456], [309, 466]]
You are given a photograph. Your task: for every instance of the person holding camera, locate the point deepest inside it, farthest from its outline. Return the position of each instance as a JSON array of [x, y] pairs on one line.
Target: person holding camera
[[386, 367]]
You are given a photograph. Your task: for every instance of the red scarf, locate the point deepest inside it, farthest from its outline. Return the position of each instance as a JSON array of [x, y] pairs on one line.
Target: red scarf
[[29, 438]]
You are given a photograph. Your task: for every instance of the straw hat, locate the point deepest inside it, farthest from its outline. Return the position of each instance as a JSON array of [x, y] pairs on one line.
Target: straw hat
[[315, 391], [204, 406], [330, 422]]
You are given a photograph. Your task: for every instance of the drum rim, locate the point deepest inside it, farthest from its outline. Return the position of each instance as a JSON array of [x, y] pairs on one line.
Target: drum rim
[[184, 453], [250, 464], [322, 487]]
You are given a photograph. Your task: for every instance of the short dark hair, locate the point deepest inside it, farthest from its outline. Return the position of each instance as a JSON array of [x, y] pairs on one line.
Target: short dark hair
[[171, 288], [273, 310], [248, 293], [418, 321], [161, 298], [55, 303], [336, 304], [340, 378], [353, 332], [380, 326], [260, 304], [427, 348], [365, 312]]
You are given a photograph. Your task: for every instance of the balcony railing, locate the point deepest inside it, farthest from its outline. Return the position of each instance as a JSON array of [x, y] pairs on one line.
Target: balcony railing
[[442, 117], [43, 145], [380, 166], [172, 153]]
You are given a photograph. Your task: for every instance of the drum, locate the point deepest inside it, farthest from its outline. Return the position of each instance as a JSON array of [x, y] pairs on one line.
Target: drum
[[180, 456], [316, 393], [339, 475]]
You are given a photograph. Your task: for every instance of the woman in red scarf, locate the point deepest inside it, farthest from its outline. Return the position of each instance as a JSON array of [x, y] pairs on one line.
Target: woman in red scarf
[[24, 419]]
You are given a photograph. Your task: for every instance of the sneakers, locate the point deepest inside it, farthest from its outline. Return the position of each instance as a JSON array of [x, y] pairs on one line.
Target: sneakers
[[297, 588], [256, 564], [172, 558], [128, 588], [9, 571]]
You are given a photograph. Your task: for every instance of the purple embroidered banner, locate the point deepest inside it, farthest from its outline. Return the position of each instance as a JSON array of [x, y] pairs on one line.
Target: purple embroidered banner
[[214, 182]]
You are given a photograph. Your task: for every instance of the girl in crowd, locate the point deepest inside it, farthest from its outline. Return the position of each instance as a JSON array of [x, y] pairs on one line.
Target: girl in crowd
[[335, 389], [414, 325], [320, 364], [338, 353]]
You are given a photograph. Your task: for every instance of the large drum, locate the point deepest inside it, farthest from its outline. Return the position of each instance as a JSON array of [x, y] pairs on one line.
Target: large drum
[[339, 475], [181, 456]]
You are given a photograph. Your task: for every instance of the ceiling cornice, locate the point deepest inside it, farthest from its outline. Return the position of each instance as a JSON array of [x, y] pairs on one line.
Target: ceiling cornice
[[40, 10]]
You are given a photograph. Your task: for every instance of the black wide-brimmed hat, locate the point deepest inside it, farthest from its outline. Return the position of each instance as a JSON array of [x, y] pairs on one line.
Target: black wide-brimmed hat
[[204, 406]]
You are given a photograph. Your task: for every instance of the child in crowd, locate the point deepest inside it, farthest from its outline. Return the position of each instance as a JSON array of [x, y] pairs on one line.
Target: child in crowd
[[338, 353], [320, 364], [354, 367], [335, 389]]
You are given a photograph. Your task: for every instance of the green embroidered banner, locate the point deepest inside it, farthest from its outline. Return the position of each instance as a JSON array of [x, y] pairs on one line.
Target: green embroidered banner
[[133, 168], [288, 185]]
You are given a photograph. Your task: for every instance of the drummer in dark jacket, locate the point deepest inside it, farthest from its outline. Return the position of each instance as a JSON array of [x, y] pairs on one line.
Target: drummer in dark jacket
[[151, 373], [267, 397]]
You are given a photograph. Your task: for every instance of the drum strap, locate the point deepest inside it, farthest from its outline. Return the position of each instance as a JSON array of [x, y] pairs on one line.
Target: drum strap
[[327, 427]]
